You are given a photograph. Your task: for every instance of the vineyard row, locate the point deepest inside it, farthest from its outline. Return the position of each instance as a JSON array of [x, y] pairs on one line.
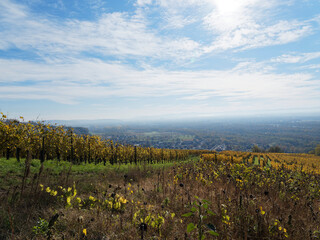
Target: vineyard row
[[45, 141]]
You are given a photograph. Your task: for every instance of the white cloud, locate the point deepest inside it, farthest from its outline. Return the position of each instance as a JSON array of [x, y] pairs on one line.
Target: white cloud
[[93, 79], [235, 24], [176, 21], [231, 24], [313, 66], [250, 24], [143, 2], [259, 36], [10, 10], [229, 15], [296, 58], [67, 75], [116, 34]]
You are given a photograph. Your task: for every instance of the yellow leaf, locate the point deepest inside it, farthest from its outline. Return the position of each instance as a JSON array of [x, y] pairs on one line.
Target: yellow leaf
[[84, 231], [262, 212]]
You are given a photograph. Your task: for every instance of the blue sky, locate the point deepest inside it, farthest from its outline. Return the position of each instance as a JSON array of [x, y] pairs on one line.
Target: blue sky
[[117, 59]]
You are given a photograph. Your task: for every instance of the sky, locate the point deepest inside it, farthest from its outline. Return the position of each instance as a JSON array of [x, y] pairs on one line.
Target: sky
[[143, 59]]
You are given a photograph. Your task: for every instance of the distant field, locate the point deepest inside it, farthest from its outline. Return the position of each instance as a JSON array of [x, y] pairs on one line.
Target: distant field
[[300, 134]]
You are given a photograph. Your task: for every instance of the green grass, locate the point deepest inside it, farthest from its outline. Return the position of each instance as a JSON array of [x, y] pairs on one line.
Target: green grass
[[256, 161], [12, 171]]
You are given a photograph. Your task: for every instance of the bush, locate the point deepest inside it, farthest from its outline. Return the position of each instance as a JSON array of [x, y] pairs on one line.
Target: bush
[[275, 149]]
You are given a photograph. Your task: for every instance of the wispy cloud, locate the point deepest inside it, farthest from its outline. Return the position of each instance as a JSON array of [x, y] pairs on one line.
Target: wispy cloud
[[251, 24], [141, 54], [97, 79], [114, 34], [313, 66], [296, 58], [234, 24], [260, 36]]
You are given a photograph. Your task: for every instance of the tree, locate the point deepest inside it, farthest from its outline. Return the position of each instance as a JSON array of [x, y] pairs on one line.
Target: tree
[[275, 149], [255, 148]]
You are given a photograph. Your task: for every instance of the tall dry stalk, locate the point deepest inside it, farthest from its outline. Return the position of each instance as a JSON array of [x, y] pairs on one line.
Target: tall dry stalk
[[26, 172]]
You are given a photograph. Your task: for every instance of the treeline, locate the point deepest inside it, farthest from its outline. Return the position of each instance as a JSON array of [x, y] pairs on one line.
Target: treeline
[[273, 149], [47, 142], [316, 151], [277, 149]]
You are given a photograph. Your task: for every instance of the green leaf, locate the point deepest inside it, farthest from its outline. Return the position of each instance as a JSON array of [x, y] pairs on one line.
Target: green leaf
[[187, 214], [213, 233], [190, 227], [193, 209], [210, 212], [205, 206]]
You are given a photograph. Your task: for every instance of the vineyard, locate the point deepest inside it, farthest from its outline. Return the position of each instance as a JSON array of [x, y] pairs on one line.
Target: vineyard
[[47, 142], [55, 184], [306, 163]]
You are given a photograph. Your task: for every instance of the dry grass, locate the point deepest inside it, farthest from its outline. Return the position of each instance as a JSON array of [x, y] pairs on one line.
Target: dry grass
[[248, 202]]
